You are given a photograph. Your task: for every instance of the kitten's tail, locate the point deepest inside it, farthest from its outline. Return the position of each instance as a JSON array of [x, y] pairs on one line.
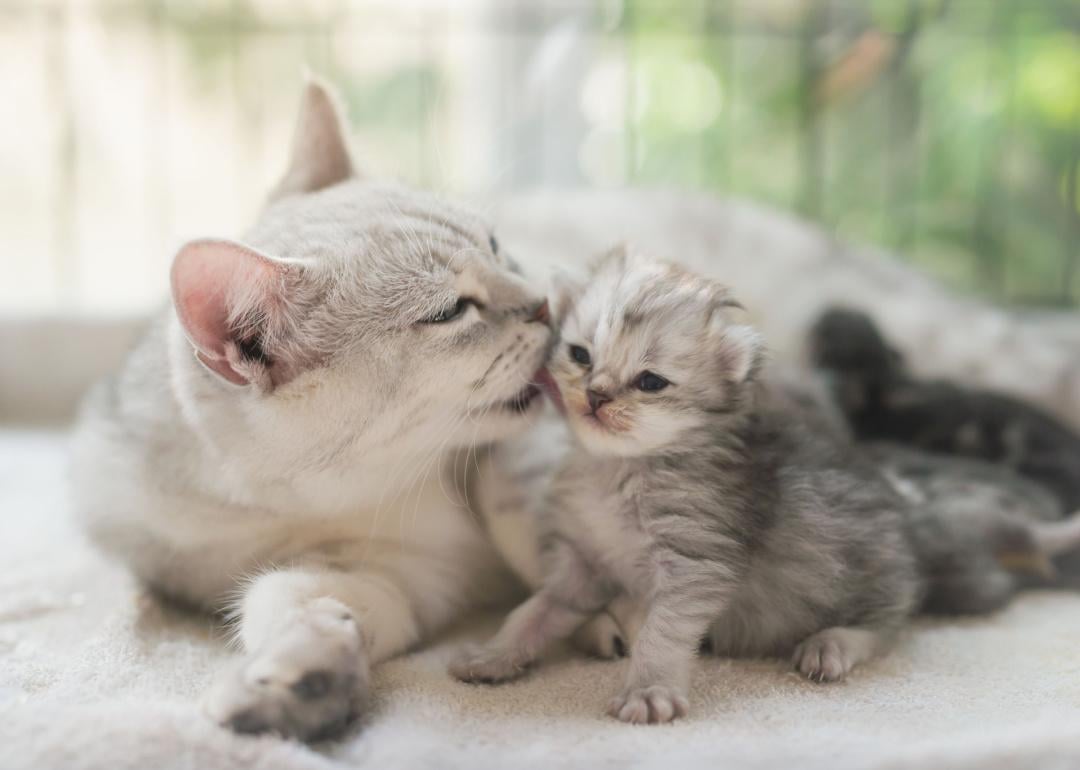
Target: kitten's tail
[[975, 570], [1054, 538], [1054, 558], [1047, 552]]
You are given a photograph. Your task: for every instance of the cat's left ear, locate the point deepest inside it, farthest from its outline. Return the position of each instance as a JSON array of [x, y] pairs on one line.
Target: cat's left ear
[[739, 349], [320, 153]]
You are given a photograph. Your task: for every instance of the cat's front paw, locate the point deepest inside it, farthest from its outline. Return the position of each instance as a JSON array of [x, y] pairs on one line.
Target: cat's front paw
[[309, 683], [649, 705], [487, 665]]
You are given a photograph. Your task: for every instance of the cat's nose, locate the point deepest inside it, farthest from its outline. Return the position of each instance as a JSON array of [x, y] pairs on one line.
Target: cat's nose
[[597, 398], [542, 313]]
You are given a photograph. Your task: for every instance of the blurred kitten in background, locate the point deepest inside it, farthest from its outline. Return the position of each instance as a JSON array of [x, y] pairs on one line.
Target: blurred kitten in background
[[982, 466], [882, 401]]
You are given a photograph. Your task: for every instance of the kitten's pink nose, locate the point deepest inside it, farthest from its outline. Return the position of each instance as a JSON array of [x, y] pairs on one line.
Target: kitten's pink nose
[[597, 399]]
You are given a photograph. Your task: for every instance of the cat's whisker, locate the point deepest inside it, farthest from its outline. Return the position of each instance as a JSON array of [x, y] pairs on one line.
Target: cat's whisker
[[406, 461], [434, 456]]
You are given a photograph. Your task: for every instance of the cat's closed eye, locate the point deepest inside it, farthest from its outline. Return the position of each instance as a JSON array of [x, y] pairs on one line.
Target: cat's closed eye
[[449, 313], [494, 244]]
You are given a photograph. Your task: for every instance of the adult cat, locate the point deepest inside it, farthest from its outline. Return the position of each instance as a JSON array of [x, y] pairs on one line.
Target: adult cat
[[281, 442], [287, 441]]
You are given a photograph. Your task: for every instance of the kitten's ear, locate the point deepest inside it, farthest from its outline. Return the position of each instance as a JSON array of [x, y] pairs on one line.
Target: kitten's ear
[[565, 287], [739, 349], [320, 152], [228, 299]]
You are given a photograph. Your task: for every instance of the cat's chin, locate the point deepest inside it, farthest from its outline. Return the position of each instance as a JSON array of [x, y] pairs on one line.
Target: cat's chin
[[524, 402], [505, 417]]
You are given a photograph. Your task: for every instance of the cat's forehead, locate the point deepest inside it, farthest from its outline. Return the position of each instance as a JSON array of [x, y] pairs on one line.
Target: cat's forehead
[[383, 226]]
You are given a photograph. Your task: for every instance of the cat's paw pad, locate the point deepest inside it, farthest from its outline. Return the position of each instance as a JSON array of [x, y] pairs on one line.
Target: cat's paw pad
[[649, 705], [486, 665], [601, 637], [308, 684], [823, 658]]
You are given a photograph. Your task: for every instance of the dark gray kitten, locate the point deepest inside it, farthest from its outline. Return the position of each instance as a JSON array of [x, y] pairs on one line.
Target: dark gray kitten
[[720, 515], [883, 401], [980, 532], [984, 467]]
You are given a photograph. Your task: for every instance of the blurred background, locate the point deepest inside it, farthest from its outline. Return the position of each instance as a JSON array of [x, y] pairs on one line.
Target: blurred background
[[946, 131]]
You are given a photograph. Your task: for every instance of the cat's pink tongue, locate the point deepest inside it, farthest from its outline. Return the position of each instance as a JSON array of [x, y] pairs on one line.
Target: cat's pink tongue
[[547, 384]]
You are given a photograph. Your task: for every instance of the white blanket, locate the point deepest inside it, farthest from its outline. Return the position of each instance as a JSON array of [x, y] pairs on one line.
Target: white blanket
[[94, 675]]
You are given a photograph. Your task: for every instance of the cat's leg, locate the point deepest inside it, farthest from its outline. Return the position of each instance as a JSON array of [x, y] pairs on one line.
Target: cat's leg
[[612, 633], [526, 633], [571, 593], [829, 655], [311, 636], [662, 657]]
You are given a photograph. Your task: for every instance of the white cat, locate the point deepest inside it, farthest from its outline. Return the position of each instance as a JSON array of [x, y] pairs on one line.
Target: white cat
[[293, 444], [288, 441]]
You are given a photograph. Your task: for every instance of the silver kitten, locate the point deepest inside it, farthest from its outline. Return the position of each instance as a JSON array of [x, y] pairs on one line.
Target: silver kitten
[[721, 516]]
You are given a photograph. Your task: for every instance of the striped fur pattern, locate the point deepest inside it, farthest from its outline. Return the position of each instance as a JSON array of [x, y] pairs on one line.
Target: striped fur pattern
[[727, 520]]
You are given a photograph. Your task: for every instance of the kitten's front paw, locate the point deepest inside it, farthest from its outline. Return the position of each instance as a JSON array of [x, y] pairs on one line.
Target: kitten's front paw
[[652, 705], [309, 683], [824, 657], [487, 665]]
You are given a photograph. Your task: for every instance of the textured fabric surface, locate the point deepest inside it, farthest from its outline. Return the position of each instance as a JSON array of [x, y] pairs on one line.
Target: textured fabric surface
[[93, 675]]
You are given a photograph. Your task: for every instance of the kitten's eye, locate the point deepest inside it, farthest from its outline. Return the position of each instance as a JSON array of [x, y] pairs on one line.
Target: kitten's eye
[[450, 313], [650, 382], [494, 244], [580, 354]]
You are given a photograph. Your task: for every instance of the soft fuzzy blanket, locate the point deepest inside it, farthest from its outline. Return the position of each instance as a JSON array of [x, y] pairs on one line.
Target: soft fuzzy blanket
[[95, 675]]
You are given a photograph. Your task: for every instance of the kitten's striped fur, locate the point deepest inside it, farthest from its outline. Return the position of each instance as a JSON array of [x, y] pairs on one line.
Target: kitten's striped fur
[[723, 517]]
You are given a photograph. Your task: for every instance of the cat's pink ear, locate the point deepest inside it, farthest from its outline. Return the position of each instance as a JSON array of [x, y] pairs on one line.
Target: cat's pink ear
[[226, 297], [320, 152]]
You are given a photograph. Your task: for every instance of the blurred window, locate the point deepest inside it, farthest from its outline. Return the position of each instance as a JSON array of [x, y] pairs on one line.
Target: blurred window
[[947, 131]]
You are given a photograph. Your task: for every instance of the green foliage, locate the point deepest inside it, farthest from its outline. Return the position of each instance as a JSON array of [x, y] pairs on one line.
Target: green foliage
[[948, 131]]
